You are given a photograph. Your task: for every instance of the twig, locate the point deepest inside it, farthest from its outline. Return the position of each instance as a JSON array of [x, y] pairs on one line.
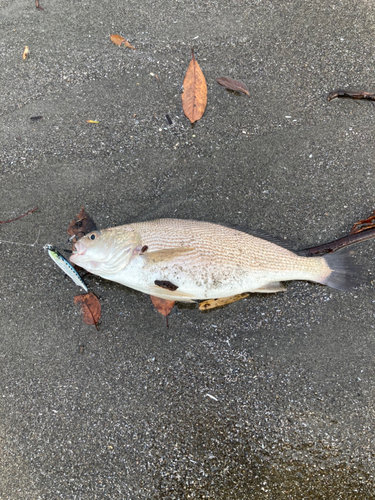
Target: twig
[[335, 245], [354, 95], [19, 217]]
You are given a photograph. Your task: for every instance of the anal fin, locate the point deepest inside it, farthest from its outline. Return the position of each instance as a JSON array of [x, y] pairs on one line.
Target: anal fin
[[273, 287], [164, 293]]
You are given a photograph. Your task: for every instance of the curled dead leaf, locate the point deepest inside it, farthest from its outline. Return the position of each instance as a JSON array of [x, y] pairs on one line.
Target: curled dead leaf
[[90, 308], [82, 224], [26, 53], [231, 84], [213, 303], [194, 96], [120, 40]]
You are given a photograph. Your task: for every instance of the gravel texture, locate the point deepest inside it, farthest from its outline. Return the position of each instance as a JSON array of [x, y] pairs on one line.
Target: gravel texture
[[271, 397]]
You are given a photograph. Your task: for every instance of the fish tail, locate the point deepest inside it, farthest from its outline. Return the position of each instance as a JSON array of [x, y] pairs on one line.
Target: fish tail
[[345, 274]]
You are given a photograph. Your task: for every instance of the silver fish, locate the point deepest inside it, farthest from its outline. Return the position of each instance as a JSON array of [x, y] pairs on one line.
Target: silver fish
[[187, 260], [63, 264]]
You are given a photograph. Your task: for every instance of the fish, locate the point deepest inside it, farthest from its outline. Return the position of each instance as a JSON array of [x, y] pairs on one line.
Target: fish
[[187, 260], [63, 264]]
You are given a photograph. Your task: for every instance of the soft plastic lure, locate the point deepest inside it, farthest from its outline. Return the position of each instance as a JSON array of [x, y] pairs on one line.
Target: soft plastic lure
[[63, 264]]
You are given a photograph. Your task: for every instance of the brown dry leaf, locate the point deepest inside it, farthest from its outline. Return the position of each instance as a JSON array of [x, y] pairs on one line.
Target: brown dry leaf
[[163, 306], [82, 224], [120, 40], [231, 84], [37, 5], [213, 303], [26, 53], [194, 96], [90, 308], [117, 39]]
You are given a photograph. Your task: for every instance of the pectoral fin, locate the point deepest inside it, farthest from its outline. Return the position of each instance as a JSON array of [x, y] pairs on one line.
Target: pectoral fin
[[166, 254], [274, 287]]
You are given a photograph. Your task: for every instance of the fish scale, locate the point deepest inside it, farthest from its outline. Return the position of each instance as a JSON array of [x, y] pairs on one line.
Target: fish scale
[[240, 249], [201, 260]]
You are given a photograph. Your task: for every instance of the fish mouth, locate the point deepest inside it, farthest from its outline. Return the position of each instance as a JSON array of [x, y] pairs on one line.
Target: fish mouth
[[78, 249]]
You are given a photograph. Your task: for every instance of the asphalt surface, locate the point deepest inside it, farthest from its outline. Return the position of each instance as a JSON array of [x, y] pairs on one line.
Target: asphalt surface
[[271, 397]]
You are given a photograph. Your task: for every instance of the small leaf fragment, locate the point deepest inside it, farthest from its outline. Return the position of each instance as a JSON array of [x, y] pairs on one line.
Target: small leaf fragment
[[231, 84], [26, 53], [37, 5], [92, 121], [90, 308], [127, 44], [120, 40], [82, 224], [194, 96], [213, 303], [163, 306]]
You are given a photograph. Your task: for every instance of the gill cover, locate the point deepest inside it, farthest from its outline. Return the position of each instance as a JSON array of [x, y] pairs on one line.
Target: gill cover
[[105, 252]]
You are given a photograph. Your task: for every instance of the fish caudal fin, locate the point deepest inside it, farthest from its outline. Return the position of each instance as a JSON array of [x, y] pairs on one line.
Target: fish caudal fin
[[344, 273]]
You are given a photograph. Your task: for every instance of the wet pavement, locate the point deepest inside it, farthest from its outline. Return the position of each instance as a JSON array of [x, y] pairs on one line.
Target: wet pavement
[[271, 397]]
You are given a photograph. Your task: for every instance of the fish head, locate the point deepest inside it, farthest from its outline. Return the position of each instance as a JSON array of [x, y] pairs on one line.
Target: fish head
[[107, 251]]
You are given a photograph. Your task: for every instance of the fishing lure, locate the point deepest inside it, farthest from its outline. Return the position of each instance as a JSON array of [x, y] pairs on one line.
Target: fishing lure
[[63, 264]]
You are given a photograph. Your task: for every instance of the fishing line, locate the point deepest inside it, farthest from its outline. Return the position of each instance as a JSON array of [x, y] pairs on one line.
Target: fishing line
[[58, 259], [24, 244], [34, 244]]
